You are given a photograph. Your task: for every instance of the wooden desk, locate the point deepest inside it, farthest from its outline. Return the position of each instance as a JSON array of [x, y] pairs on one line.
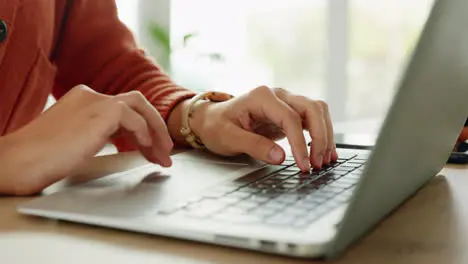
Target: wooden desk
[[432, 227]]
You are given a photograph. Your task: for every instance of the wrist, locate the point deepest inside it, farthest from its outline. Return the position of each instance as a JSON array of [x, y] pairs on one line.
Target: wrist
[[196, 121], [191, 116], [16, 177]]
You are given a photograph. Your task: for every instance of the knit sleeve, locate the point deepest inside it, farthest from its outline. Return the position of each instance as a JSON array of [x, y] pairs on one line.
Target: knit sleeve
[[98, 50]]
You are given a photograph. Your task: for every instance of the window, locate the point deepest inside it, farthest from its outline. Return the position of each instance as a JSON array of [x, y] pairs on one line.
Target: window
[[382, 33], [128, 13], [347, 52]]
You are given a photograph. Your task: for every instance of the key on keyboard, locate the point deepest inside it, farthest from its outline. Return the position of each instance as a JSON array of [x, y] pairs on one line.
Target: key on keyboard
[[280, 195]]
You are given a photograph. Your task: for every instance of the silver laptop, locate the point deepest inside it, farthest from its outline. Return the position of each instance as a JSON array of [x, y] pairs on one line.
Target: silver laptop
[[243, 203]]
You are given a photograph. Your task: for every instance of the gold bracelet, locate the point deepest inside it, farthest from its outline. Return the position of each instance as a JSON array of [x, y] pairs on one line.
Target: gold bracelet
[[186, 131]]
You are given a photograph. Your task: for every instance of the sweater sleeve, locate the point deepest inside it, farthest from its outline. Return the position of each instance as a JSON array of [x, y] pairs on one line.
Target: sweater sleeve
[[96, 49]]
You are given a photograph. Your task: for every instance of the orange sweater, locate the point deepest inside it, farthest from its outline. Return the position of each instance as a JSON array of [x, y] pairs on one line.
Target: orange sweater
[[95, 49]]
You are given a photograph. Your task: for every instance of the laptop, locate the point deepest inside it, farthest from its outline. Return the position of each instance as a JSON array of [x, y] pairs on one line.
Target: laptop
[[240, 202]]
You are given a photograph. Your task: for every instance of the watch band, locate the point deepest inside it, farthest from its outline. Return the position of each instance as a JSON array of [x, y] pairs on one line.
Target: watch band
[[186, 131]]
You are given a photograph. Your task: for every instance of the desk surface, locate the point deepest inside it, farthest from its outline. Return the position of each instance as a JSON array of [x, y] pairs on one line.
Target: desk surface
[[431, 227]]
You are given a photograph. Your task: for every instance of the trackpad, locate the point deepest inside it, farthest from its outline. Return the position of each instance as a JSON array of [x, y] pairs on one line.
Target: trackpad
[[148, 188]]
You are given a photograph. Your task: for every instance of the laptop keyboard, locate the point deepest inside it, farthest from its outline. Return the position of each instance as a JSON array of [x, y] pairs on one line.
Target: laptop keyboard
[[278, 195]]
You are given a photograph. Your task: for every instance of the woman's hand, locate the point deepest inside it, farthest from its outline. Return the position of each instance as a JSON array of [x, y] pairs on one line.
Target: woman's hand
[[251, 123], [73, 131]]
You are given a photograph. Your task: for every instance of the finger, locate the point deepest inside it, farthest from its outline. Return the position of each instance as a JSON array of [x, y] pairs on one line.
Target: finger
[[139, 103], [150, 152], [146, 151], [313, 114], [334, 156], [330, 154], [255, 145], [137, 125], [283, 116], [315, 118], [150, 155], [134, 123]]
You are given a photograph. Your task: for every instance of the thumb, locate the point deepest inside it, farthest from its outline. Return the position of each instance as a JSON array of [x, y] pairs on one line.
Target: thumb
[[257, 146]]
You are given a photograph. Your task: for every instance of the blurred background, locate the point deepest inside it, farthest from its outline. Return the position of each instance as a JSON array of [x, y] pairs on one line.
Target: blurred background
[[349, 53]]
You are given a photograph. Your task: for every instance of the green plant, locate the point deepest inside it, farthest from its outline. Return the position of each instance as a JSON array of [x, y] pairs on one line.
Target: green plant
[[160, 36]]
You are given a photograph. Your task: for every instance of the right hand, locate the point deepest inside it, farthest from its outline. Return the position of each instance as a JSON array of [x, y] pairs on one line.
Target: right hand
[[72, 131], [251, 123]]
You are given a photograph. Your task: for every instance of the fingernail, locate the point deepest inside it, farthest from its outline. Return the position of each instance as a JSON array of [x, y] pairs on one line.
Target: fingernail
[[276, 155], [306, 163]]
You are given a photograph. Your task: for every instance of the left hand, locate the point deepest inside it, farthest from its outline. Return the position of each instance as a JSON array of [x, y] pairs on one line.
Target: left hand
[[251, 123]]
